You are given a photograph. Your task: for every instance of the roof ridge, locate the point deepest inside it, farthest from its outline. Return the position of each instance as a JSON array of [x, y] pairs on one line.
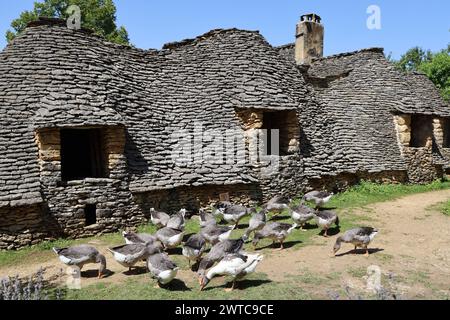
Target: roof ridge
[[289, 45], [209, 34], [351, 53]]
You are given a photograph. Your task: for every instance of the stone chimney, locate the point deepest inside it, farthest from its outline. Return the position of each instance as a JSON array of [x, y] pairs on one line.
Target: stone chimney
[[309, 39]]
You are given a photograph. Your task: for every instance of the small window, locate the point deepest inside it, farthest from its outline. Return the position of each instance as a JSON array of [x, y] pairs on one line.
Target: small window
[[82, 154], [421, 131], [286, 124], [90, 213], [446, 131]]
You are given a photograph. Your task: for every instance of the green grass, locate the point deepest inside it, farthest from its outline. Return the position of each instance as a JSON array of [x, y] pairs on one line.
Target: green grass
[[255, 287], [358, 272], [445, 208], [368, 193]]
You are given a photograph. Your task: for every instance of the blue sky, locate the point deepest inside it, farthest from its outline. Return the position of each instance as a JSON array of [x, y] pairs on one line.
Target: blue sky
[[151, 23]]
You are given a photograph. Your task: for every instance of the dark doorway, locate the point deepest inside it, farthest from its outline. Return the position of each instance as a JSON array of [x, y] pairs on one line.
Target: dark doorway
[[280, 121], [90, 213], [421, 131], [82, 154], [446, 131], [269, 124]]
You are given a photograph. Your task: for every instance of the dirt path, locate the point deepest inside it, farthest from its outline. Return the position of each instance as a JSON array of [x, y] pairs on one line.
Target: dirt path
[[412, 248], [414, 244]]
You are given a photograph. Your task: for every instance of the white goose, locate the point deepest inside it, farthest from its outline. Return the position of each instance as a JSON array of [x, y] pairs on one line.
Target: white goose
[[234, 265], [159, 218], [301, 214], [359, 237], [161, 267], [325, 220], [129, 254], [277, 205], [206, 218], [170, 238], [80, 256], [319, 197], [213, 233], [177, 221], [194, 247], [233, 214]]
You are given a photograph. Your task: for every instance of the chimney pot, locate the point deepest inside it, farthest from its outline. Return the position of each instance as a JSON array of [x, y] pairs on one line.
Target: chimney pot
[[309, 39]]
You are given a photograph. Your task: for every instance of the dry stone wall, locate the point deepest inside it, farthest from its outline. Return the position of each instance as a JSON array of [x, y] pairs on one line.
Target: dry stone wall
[[420, 161]]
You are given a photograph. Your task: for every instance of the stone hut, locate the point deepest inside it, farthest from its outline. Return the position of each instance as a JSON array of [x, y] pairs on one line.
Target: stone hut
[[94, 134]]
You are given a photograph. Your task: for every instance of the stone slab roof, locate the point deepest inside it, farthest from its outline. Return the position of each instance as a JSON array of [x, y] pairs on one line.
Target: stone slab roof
[[361, 91], [358, 93], [53, 76]]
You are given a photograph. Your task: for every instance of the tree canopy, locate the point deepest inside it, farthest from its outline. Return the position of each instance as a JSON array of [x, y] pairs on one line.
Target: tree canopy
[[97, 15], [435, 65]]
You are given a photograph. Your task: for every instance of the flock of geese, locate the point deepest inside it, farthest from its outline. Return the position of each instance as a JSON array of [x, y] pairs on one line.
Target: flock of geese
[[225, 256]]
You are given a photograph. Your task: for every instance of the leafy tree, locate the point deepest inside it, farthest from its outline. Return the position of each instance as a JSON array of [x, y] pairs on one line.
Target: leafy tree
[[438, 70], [413, 58], [435, 65], [97, 15]]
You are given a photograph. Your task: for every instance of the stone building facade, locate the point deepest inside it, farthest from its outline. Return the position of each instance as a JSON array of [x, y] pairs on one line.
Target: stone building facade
[[94, 134]]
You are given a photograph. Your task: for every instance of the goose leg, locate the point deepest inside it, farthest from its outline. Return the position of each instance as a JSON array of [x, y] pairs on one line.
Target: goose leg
[[326, 233], [281, 246], [232, 287], [367, 252]]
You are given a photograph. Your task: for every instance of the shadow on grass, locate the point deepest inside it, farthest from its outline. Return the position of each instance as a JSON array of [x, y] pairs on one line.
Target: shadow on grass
[[241, 285], [176, 285], [331, 232], [195, 266], [175, 251], [360, 252], [186, 236], [328, 208], [89, 274], [241, 226], [136, 271], [309, 226], [278, 218], [276, 245]]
